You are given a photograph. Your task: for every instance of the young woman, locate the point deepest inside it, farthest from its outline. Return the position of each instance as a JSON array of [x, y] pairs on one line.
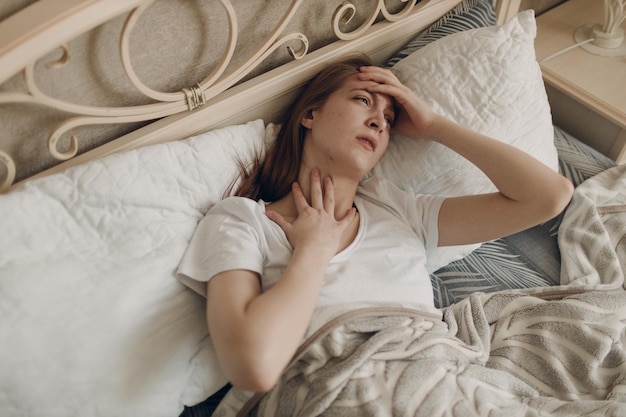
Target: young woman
[[306, 232]]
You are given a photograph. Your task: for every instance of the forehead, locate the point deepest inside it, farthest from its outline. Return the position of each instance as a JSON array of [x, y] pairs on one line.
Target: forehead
[[354, 84]]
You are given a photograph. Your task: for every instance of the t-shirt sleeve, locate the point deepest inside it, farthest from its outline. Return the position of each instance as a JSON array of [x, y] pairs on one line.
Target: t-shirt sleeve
[[423, 216], [228, 237]]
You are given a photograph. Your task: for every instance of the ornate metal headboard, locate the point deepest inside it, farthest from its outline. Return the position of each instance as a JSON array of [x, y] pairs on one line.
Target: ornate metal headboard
[[52, 23]]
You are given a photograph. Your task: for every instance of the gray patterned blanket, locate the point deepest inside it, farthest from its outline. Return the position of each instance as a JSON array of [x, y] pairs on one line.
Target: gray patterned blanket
[[558, 352]]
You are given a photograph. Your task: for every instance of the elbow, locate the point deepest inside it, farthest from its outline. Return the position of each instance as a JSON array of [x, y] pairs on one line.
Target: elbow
[[253, 373], [254, 381], [558, 200]]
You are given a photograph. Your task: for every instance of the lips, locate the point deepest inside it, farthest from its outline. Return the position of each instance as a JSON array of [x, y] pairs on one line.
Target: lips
[[367, 142]]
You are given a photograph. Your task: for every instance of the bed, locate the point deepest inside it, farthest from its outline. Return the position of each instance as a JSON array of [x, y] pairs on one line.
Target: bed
[[100, 201]]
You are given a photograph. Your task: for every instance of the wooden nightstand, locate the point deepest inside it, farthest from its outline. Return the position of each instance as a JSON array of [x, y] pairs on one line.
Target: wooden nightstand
[[587, 92]]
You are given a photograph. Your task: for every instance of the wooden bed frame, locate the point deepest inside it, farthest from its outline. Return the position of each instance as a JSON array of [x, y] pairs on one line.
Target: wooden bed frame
[[219, 100]]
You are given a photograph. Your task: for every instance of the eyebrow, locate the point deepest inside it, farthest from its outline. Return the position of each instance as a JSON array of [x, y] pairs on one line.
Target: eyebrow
[[392, 105]]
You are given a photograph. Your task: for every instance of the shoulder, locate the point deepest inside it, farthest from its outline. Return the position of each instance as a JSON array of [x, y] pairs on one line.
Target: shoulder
[[383, 189], [384, 193], [236, 206], [374, 183], [379, 188], [240, 212]]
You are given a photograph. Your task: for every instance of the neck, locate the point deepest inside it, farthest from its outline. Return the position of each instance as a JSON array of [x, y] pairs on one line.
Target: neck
[[344, 189]]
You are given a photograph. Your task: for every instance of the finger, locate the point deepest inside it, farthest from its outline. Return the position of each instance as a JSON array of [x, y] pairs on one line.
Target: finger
[[348, 218], [378, 74], [298, 197], [278, 219], [329, 195], [383, 81], [316, 189], [387, 86], [375, 69], [400, 93]]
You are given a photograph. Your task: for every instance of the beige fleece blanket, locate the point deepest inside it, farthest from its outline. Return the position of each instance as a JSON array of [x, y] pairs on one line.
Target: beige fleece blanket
[[592, 235], [492, 355], [504, 354]]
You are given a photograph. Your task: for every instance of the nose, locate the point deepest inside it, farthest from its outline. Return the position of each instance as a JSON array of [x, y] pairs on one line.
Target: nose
[[377, 121]]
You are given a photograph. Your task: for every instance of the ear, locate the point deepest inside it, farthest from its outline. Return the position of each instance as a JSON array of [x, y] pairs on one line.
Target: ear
[[307, 119]]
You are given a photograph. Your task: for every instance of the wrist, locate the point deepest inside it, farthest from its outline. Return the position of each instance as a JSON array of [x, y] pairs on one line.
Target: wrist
[[314, 256], [436, 128]]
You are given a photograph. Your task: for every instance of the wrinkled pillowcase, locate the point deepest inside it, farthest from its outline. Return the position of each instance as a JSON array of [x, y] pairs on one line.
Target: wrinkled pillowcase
[[94, 250], [469, 14]]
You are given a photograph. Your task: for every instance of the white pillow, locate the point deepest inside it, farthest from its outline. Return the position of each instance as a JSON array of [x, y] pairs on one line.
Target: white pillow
[[93, 317], [486, 79]]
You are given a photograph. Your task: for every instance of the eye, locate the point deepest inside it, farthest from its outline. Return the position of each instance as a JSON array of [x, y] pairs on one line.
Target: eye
[[363, 99], [390, 121]]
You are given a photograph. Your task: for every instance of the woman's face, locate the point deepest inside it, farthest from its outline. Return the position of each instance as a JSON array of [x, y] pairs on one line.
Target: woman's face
[[350, 131]]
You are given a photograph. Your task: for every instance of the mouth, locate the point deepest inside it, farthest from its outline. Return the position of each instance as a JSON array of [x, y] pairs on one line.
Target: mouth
[[367, 142]]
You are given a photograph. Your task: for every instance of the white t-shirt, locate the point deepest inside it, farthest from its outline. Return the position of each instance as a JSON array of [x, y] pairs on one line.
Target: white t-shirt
[[386, 262]]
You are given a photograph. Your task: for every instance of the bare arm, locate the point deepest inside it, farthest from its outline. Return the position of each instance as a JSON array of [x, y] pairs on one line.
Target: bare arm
[[255, 334], [528, 191]]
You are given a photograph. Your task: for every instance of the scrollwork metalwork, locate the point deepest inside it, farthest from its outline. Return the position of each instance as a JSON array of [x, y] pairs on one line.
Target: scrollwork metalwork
[[9, 167], [61, 61], [346, 11], [187, 99]]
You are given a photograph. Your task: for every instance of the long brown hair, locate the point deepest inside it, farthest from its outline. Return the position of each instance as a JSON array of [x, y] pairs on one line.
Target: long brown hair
[[270, 179]]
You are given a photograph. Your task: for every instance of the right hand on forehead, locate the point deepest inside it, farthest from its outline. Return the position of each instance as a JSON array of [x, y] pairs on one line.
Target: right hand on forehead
[[415, 117]]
